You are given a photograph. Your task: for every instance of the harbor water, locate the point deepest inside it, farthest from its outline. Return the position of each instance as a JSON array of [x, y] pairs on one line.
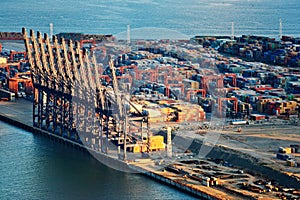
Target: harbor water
[[32, 167], [190, 17]]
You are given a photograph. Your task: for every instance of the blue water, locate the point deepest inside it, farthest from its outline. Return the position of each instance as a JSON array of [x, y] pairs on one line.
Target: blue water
[[32, 167], [190, 17]]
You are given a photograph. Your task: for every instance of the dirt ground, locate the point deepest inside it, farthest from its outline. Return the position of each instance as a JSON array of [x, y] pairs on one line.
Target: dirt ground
[[254, 148]]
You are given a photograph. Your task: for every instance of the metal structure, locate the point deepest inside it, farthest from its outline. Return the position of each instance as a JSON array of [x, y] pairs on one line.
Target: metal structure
[[205, 80], [128, 36], [150, 73], [134, 67], [90, 41], [232, 30], [233, 78], [51, 29], [189, 92], [280, 29], [69, 98], [16, 56], [169, 86], [235, 104]]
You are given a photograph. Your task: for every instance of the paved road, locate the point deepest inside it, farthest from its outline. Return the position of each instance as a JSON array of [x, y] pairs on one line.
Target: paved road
[[20, 109]]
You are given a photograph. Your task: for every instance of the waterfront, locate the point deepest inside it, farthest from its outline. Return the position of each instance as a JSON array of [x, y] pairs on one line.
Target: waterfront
[[32, 167]]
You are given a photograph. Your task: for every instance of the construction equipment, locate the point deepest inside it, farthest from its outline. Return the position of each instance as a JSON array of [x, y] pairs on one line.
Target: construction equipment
[[167, 72], [121, 114], [121, 117], [159, 79]]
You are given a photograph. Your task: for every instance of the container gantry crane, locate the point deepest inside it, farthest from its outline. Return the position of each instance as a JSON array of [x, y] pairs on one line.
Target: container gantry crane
[[189, 92], [168, 88], [14, 56], [233, 78], [217, 78], [134, 67], [235, 104], [91, 41], [69, 98], [151, 72]]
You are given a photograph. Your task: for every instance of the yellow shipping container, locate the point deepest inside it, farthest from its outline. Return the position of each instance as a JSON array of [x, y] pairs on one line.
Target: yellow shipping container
[[139, 148], [288, 150], [166, 110], [195, 85], [3, 60], [156, 142]]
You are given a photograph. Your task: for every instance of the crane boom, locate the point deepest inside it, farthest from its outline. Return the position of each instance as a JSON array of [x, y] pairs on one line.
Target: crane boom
[[116, 88]]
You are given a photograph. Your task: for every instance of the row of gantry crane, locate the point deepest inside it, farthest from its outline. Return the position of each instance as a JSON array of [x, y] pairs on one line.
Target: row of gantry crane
[[71, 101]]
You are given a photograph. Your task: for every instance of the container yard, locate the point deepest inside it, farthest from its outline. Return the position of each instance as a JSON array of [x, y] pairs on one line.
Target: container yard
[[127, 105]]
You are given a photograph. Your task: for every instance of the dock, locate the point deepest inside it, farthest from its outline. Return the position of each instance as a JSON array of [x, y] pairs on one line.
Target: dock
[[19, 110]]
